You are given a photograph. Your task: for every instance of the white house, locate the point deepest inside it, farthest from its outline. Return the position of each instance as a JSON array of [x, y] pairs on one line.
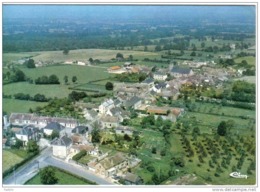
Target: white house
[[27, 133], [105, 106], [159, 76], [61, 147], [109, 121]]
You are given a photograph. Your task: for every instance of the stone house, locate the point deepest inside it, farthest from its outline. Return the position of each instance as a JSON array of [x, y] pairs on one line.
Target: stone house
[[61, 147], [52, 126], [28, 132], [111, 165]]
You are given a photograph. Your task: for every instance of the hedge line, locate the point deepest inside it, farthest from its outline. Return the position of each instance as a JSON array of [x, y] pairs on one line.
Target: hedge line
[[10, 170], [69, 173]]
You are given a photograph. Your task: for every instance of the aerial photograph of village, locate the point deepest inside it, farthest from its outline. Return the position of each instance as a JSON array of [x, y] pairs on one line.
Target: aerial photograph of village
[[123, 95]]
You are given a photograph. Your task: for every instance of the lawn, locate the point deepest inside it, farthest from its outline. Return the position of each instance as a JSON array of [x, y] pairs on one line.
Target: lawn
[[64, 179], [10, 158], [250, 60], [249, 79], [19, 106]]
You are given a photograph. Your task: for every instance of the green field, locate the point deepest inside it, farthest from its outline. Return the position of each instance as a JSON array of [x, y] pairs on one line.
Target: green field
[[19, 106], [64, 179], [84, 74], [13, 57], [78, 55], [59, 91], [10, 158], [250, 60]]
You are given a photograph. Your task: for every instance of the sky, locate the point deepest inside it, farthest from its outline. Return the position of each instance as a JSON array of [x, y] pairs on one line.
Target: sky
[[124, 12]]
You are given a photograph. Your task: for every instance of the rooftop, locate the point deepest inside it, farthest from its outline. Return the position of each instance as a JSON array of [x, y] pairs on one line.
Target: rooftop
[[177, 69]]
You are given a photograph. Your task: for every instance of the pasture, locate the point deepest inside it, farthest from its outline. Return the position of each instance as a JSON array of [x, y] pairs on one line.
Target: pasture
[[249, 59], [84, 74], [20, 106], [10, 158]]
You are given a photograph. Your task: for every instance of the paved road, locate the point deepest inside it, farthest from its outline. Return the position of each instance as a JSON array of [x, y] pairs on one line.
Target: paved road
[[20, 176]]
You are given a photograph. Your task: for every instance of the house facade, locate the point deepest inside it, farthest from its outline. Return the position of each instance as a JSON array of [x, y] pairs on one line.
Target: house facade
[[27, 133], [21, 119], [61, 147], [159, 76], [111, 165]]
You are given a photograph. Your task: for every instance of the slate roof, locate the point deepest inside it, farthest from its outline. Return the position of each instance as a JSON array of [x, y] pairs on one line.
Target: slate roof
[[110, 162], [177, 69], [63, 141], [28, 130], [80, 129], [54, 126], [148, 81], [132, 101], [132, 177]]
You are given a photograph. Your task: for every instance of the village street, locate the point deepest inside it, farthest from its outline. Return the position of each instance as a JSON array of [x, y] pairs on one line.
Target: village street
[[19, 177]]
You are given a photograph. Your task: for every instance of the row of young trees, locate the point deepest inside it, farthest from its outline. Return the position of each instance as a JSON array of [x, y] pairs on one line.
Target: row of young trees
[[38, 97], [52, 79]]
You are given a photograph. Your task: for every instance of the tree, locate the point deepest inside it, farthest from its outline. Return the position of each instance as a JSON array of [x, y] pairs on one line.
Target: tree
[[65, 79], [32, 147], [119, 56], [193, 54], [18, 144], [158, 48], [18, 76], [202, 45], [131, 57], [95, 135], [109, 86], [222, 128], [66, 51], [74, 79], [48, 177], [53, 79], [91, 60], [55, 134], [154, 150], [145, 48], [8, 74], [30, 63]]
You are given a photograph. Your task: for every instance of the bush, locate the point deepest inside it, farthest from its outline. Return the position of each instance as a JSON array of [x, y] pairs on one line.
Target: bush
[[79, 155]]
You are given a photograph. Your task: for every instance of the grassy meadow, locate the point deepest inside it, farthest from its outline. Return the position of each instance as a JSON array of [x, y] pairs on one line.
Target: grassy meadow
[[12, 157]]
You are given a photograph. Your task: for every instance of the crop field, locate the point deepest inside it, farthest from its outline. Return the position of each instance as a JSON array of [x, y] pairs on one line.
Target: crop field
[[10, 159], [85, 54], [20, 106]]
